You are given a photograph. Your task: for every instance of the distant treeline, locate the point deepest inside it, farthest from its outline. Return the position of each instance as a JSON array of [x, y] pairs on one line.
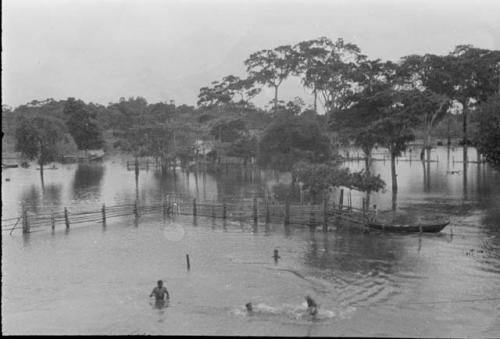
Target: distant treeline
[[367, 103]]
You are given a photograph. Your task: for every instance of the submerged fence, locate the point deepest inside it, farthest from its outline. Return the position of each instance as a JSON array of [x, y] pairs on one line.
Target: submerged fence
[[257, 210]]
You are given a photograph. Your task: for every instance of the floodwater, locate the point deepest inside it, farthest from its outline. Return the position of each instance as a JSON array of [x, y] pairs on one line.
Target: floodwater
[[94, 280]]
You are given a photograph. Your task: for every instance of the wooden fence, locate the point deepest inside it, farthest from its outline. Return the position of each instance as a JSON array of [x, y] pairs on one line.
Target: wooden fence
[[254, 211]]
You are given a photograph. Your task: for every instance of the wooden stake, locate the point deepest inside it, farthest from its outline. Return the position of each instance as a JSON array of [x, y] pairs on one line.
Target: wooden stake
[[341, 199], [103, 215], [268, 214], [325, 214], [26, 224], [224, 210], [66, 219], [136, 210], [187, 262], [287, 211], [53, 221], [194, 207], [255, 215]]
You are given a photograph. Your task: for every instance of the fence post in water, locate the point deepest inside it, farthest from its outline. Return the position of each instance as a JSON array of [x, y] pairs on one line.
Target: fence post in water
[[187, 262], [287, 211], [53, 221], [255, 216], [325, 214], [103, 215], [341, 199], [26, 224], [224, 209], [312, 219], [194, 207], [268, 214], [136, 210], [364, 206], [66, 219]]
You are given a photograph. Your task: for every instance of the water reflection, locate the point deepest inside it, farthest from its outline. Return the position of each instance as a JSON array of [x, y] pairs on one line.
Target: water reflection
[[52, 195], [87, 181], [31, 198]]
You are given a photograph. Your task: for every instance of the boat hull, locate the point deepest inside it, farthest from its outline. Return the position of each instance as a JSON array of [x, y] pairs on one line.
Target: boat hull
[[429, 228]]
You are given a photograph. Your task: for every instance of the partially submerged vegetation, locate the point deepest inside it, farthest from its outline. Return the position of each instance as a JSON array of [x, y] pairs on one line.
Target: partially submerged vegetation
[[367, 103]]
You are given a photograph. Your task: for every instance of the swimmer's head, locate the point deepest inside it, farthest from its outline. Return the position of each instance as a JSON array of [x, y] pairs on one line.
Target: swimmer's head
[[249, 307], [160, 283]]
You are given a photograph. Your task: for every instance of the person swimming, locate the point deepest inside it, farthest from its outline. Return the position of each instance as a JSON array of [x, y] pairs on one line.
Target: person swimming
[[312, 307], [249, 308], [276, 256]]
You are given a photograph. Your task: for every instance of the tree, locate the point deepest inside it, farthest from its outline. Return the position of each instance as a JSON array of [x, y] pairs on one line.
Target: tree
[[290, 139], [244, 147], [356, 123], [319, 178], [82, 125], [428, 74], [335, 76], [272, 67], [223, 92], [396, 127], [488, 138], [312, 57], [474, 75], [37, 138]]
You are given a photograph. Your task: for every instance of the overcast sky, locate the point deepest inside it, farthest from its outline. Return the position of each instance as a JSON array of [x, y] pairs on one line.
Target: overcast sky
[[102, 50]]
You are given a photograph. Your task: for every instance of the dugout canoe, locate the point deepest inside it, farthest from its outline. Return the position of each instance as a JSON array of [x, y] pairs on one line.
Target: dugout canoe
[[409, 228]]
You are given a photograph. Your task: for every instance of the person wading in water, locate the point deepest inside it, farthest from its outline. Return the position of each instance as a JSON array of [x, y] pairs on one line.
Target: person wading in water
[[161, 294]]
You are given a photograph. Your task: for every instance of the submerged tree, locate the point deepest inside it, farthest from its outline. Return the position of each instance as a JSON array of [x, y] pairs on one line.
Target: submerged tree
[[290, 139], [37, 138], [319, 178], [488, 138], [82, 125]]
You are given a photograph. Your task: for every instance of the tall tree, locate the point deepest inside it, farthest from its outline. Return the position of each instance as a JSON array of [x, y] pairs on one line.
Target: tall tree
[[397, 124], [428, 74], [37, 138], [82, 125], [312, 58], [290, 139], [474, 76], [271, 67], [488, 137]]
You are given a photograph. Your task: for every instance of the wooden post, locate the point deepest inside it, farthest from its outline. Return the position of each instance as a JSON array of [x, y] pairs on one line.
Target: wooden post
[[194, 207], [53, 221], [187, 262], [312, 219], [341, 199], [26, 224], [255, 215], [224, 210], [268, 214], [136, 210], [325, 214], [66, 219], [169, 205], [287, 211], [103, 215], [363, 206]]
